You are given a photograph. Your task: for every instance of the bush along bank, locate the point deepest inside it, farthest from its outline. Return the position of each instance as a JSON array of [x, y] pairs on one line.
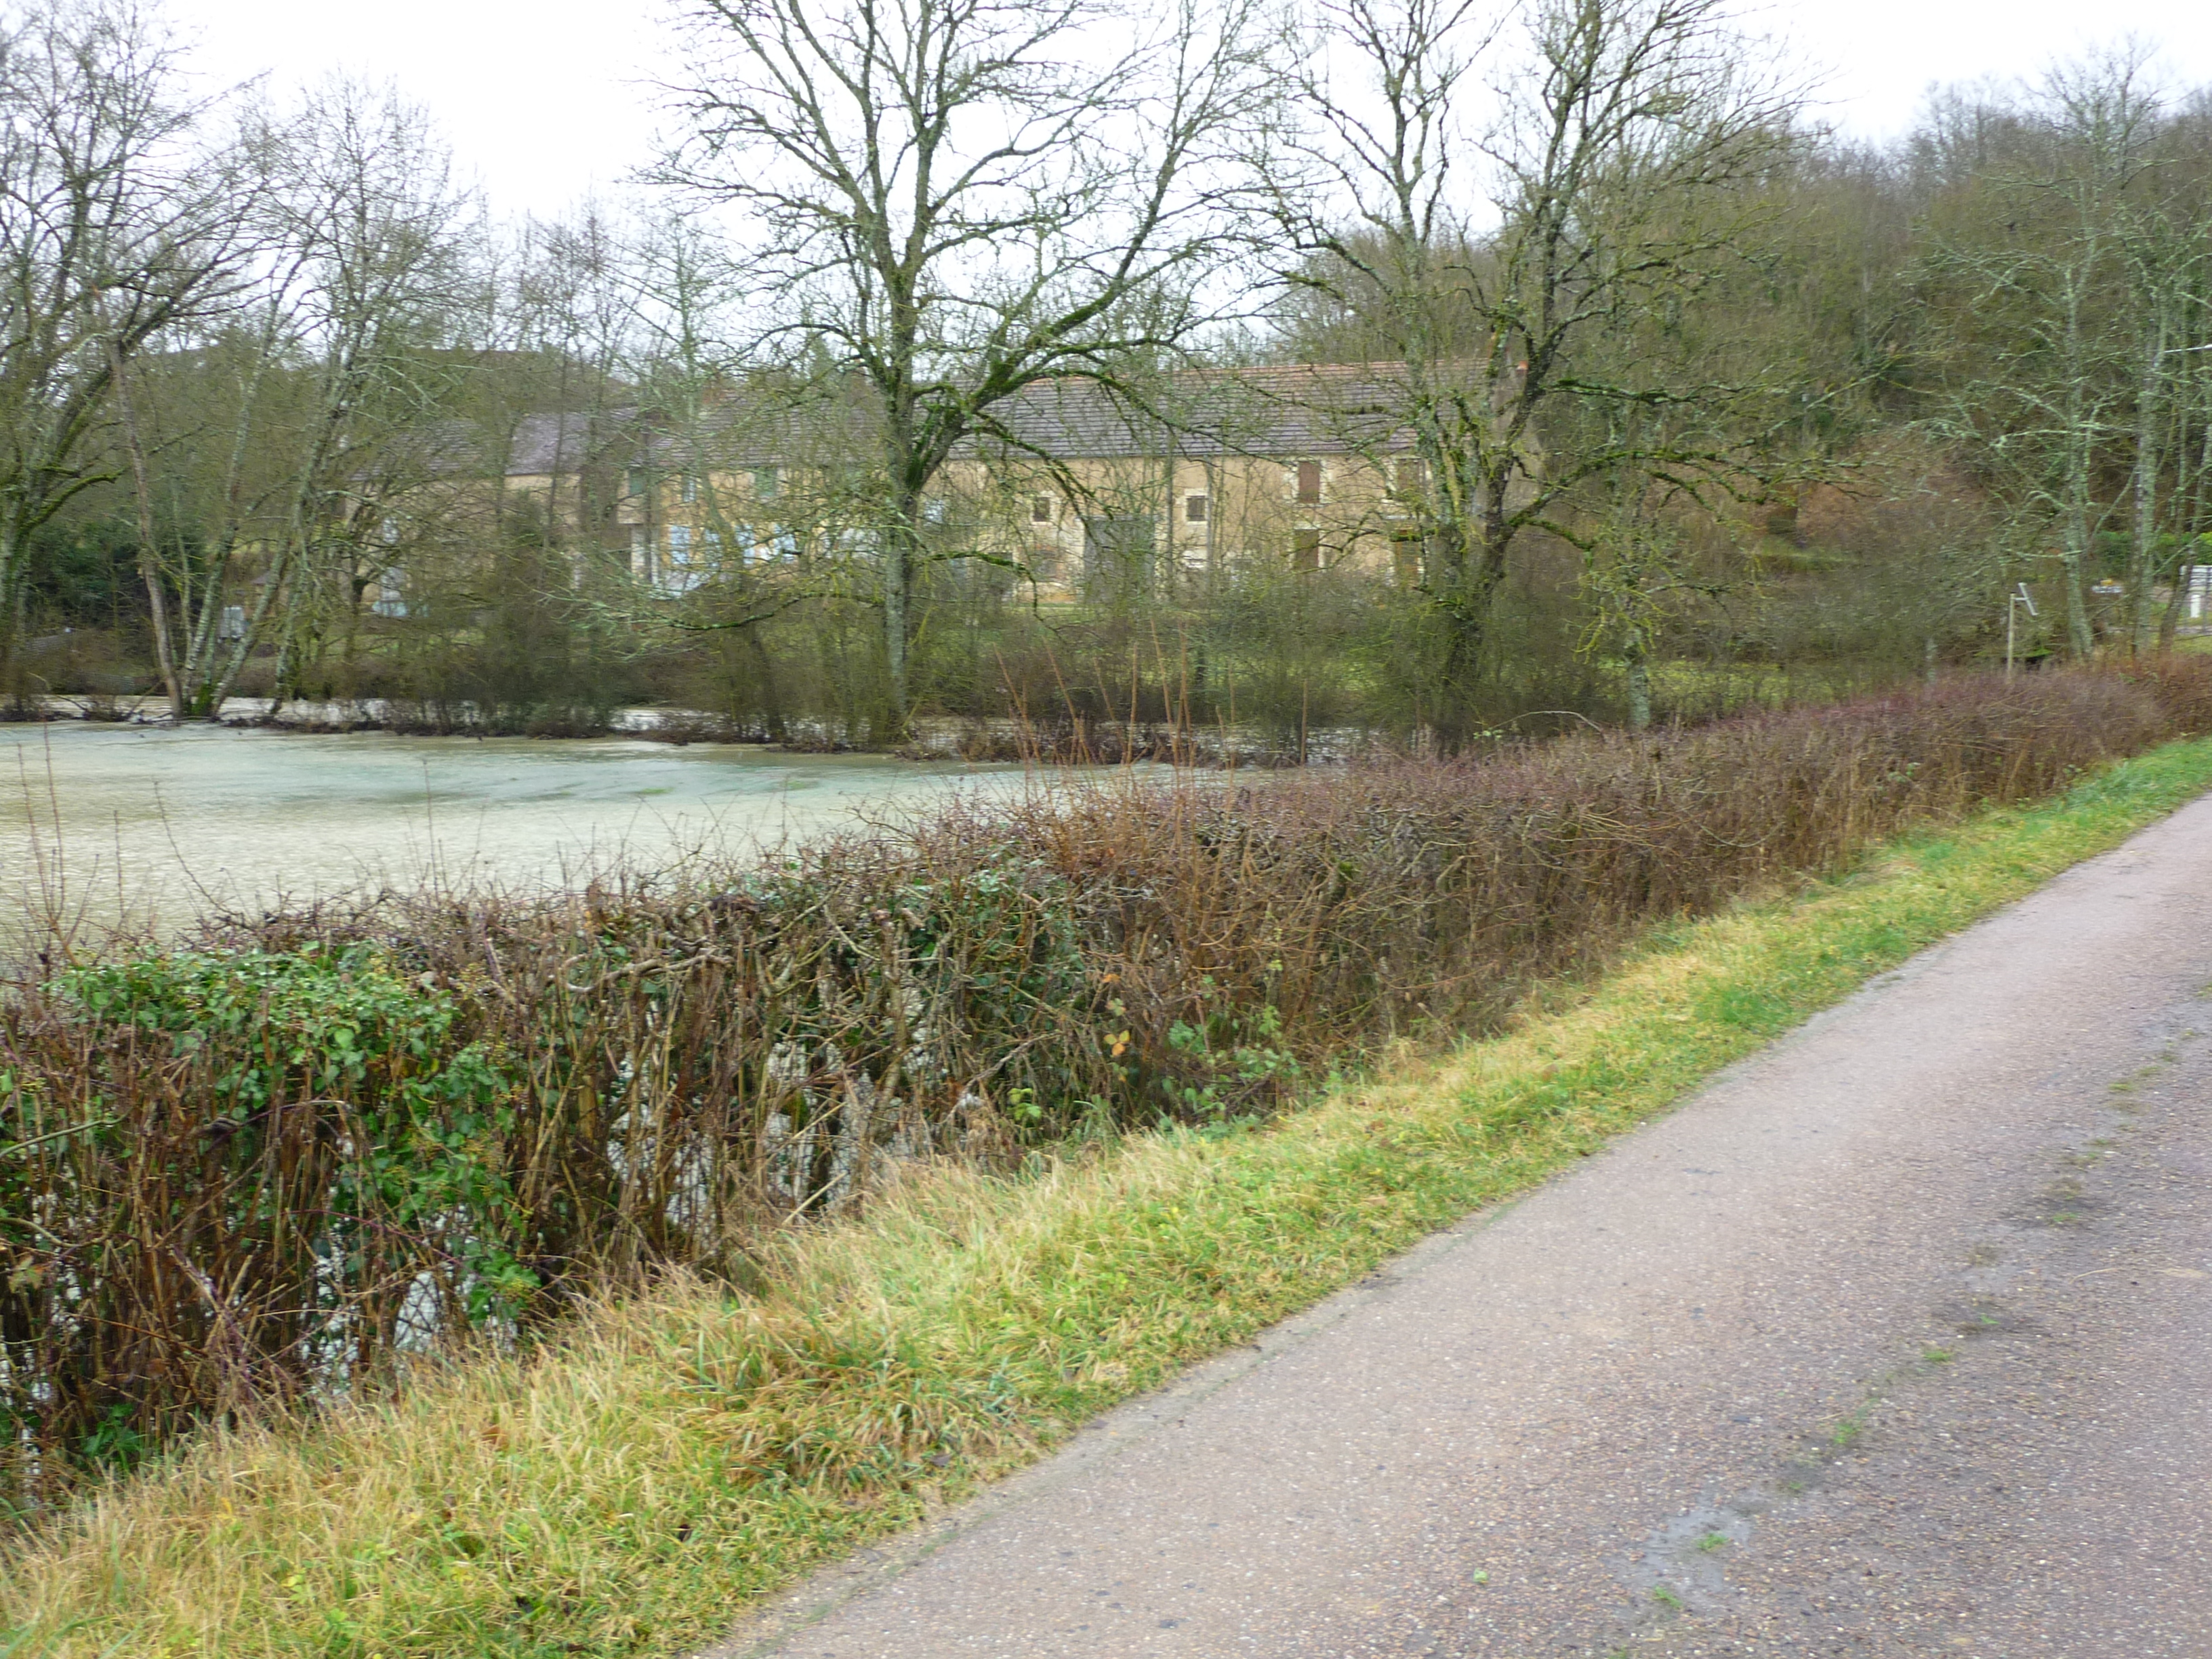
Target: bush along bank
[[255, 1169], [626, 1485]]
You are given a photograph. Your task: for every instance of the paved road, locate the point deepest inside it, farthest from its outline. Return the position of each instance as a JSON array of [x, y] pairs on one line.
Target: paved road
[[1895, 1341]]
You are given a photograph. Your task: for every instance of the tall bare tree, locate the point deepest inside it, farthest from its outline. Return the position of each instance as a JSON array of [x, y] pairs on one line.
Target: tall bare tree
[[950, 200], [1503, 271], [375, 289], [2048, 368], [117, 223]]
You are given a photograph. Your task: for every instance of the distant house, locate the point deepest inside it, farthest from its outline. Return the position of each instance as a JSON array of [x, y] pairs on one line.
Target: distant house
[[1307, 467], [559, 479]]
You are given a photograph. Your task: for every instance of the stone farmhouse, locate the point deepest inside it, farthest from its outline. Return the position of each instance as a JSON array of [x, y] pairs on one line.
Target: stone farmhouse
[[1072, 484]]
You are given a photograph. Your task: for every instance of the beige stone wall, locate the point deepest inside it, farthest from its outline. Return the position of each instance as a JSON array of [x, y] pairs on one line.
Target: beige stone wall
[[1197, 517]]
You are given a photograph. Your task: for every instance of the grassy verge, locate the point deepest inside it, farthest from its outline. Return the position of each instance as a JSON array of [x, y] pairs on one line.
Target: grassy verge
[[628, 1491]]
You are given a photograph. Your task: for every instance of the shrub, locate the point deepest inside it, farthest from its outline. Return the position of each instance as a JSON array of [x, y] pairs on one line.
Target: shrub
[[229, 1171], [241, 1170]]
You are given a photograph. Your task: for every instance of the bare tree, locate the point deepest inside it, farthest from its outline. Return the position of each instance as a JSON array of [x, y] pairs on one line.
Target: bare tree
[[1620, 175], [712, 422], [2169, 248], [375, 287], [950, 200], [572, 316], [2048, 370], [116, 225]]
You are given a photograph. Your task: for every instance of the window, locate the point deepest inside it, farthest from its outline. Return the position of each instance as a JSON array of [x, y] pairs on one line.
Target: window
[[768, 481], [689, 489], [1041, 509], [1405, 559], [1305, 550], [680, 574], [1411, 475], [933, 509], [1194, 509], [1309, 483], [634, 482]]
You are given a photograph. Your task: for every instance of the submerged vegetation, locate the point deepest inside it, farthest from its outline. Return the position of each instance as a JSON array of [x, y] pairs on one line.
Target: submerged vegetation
[[266, 1164], [627, 1483]]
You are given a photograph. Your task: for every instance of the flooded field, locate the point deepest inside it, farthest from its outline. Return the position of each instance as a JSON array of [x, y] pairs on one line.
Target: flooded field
[[100, 823]]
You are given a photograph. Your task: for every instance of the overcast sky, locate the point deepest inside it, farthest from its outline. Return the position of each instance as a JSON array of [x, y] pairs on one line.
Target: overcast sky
[[546, 100]]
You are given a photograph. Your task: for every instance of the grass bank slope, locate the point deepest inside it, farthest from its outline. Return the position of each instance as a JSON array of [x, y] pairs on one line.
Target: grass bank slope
[[626, 1490]]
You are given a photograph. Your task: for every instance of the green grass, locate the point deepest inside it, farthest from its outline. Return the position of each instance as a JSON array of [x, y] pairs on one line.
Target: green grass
[[673, 1457]]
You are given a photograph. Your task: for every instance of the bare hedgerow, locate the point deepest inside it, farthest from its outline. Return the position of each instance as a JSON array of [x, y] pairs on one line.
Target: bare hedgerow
[[284, 1154]]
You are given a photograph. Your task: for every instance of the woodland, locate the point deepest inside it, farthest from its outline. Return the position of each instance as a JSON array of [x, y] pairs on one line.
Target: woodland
[[1717, 408]]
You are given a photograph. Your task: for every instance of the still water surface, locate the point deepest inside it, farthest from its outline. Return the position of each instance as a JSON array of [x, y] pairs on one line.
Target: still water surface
[[157, 824]]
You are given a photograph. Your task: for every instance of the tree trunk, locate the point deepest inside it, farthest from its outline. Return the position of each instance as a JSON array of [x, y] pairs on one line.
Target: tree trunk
[[1639, 685], [149, 564], [899, 564], [1461, 613], [2074, 553], [2169, 623], [2143, 554], [11, 608], [771, 694], [1473, 567], [2075, 550]]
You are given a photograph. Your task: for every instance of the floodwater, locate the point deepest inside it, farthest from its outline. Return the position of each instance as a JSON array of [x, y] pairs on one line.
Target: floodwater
[[154, 825]]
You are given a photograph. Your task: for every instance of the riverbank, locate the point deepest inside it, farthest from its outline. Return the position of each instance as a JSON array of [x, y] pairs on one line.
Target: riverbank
[[671, 1456], [1064, 740]]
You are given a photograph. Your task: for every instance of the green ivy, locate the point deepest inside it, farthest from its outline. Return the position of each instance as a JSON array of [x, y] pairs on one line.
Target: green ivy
[[424, 1121]]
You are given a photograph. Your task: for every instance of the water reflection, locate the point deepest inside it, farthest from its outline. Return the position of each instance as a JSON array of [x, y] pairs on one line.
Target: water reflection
[[153, 825]]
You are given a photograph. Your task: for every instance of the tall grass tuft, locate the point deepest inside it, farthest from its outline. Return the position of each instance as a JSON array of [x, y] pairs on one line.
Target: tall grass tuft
[[279, 1157]]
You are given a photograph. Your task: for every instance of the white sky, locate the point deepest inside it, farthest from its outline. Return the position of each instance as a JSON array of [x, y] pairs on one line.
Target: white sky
[[546, 101]]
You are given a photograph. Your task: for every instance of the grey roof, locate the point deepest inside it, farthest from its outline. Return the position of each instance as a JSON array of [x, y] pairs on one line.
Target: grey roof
[[1282, 412], [549, 443], [536, 446], [1307, 408]]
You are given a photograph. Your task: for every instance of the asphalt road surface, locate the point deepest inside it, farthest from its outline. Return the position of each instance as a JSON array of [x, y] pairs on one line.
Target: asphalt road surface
[[1895, 1339]]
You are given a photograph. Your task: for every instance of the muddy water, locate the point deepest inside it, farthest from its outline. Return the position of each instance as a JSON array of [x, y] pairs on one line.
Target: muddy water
[[153, 825]]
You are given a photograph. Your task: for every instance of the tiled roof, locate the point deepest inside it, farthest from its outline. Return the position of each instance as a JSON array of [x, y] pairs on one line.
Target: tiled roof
[[545, 444], [538, 445], [1301, 410], [1307, 408], [746, 430]]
